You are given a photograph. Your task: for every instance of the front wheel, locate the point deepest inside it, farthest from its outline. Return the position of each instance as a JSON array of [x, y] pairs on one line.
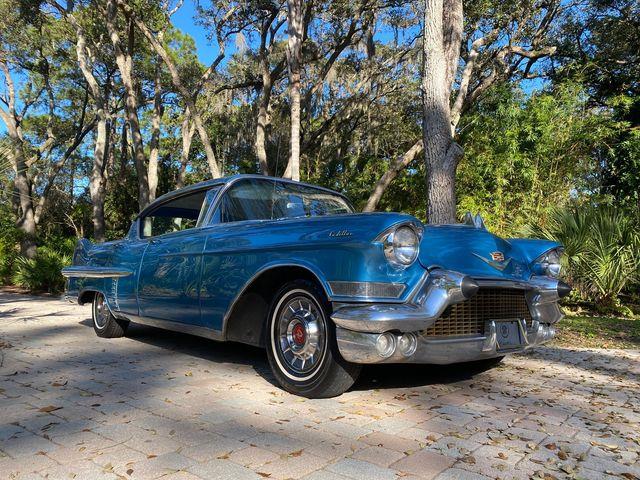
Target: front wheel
[[104, 323], [301, 344]]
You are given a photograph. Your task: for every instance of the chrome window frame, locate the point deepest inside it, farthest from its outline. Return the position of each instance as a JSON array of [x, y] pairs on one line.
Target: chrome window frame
[[228, 185], [153, 206]]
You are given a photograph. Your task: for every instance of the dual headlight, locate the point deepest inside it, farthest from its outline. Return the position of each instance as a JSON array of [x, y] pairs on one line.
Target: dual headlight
[[549, 263], [401, 244]]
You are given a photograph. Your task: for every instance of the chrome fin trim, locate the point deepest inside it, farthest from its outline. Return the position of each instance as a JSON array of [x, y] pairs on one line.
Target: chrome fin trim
[[95, 272]]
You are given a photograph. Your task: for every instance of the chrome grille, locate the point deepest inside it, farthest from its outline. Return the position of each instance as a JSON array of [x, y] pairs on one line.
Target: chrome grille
[[469, 317]]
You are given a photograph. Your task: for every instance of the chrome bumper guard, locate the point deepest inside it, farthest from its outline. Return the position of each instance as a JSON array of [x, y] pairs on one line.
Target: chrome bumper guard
[[360, 347], [359, 326]]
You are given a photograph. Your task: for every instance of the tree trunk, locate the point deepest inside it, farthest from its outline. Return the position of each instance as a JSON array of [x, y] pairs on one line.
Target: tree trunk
[[396, 167], [188, 97], [188, 129], [263, 117], [25, 211], [97, 185], [294, 60], [26, 222], [154, 144], [441, 152], [125, 66]]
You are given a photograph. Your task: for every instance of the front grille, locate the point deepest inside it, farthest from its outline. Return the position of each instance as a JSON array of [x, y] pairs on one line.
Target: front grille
[[469, 317]]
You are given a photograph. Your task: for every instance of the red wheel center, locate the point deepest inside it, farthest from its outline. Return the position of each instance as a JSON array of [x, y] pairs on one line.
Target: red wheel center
[[299, 335]]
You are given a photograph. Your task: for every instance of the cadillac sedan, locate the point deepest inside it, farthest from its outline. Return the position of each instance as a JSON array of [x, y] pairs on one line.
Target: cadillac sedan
[[293, 268]]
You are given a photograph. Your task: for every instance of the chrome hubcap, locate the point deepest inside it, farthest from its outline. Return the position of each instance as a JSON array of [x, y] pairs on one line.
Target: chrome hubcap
[[301, 335], [100, 312]]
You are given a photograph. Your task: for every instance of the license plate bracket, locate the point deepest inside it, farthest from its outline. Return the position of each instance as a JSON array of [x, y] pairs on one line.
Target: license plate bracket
[[508, 334]]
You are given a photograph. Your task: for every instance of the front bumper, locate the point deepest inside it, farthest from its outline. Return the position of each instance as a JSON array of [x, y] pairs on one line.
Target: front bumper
[[360, 347], [359, 326]]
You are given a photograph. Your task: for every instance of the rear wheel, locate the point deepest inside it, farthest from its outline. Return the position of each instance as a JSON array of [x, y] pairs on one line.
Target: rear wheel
[[301, 343], [104, 323]]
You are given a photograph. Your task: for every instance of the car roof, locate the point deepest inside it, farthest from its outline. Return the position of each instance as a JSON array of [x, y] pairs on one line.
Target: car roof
[[224, 181]]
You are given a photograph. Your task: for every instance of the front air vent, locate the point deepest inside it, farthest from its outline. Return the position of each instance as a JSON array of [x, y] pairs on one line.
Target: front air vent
[[367, 289], [469, 317]]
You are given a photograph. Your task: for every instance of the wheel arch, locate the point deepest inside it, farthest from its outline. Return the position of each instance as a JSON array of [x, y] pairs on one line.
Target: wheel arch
[[246, 317], [87, 295]]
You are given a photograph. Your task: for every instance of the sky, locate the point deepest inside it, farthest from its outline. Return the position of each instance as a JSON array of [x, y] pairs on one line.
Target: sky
[[183, 20]]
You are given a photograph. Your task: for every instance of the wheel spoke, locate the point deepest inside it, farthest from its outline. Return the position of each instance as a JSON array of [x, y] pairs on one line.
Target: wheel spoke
[[301, 333]]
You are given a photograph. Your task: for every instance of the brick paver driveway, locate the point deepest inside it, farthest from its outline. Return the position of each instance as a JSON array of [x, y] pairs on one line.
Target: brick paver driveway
[[159, 404]]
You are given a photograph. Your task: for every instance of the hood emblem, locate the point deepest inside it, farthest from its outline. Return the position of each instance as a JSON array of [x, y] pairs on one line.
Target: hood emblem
[[497, 260], [497, 256]]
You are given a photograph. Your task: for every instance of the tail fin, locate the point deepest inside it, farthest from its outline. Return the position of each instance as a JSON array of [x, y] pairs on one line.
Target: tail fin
[[81, 252]]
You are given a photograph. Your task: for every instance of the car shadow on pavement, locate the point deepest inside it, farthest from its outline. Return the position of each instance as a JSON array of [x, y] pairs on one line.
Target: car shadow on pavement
[[372, 376], [218, 352]]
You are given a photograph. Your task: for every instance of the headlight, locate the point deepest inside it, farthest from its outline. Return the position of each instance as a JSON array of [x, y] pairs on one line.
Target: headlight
[[549, 263], [401, 245]]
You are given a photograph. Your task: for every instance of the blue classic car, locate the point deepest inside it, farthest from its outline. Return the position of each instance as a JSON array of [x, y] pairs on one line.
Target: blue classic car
[[293, 268]]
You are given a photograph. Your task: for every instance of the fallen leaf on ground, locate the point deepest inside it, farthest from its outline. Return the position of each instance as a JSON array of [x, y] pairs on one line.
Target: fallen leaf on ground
[[49, 408]]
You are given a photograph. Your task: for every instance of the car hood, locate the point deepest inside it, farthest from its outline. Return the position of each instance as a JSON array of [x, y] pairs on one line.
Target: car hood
[[469, 250]]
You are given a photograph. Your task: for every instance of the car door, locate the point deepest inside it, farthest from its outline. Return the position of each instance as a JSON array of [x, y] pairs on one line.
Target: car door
[[128, 254], [169, 280]]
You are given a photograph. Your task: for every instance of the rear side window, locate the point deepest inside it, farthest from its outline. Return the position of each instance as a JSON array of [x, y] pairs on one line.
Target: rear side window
[[182, 213], [257, 199]]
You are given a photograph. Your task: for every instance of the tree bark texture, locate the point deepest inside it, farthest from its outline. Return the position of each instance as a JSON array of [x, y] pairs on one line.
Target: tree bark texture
[[154, 144], [441, 152], [263, 116], [188, 129], [294, 61]]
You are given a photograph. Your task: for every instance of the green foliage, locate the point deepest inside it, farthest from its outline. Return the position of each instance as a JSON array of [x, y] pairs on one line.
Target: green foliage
[[602, 250], [524, 156], [42, 273], [9, 238]]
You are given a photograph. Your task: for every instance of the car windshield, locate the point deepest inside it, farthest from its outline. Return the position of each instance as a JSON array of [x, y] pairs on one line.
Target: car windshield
[[258, 199]]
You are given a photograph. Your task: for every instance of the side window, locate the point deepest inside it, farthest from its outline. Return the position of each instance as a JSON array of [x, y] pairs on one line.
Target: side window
[[259, 199], [175, 215], [248, 200]]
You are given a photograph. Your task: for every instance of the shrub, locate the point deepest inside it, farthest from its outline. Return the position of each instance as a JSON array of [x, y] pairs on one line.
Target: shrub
[[602, 250], [9, 239], [41, 273]]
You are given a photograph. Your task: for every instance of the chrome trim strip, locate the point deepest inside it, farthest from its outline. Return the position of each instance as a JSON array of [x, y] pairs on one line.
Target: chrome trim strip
[[83, 271], [179, 327]]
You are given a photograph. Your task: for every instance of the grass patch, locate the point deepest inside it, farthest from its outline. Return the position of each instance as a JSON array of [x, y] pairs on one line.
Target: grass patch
[[598, 332]]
